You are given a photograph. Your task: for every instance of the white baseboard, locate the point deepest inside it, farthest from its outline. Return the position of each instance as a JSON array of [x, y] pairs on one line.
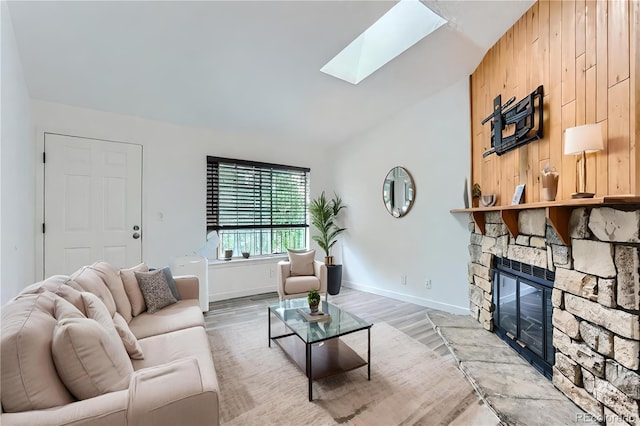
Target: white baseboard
[[217, 296], [434, 304]]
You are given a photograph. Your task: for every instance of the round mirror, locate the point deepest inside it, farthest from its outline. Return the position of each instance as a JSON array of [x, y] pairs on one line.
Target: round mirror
[[398, 192]]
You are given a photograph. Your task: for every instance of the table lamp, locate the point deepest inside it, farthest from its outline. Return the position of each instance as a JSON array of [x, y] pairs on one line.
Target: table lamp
[[580, 140]]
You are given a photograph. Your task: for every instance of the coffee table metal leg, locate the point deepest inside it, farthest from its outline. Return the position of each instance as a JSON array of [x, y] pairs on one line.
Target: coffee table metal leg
[[269, 324], [369, 354], [309, 373]]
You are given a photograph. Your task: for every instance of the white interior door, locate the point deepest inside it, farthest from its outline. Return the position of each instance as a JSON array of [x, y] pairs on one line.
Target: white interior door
[[92, 203]]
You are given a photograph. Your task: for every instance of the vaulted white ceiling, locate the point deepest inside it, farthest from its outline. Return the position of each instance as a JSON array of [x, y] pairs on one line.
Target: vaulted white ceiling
[[243, 66]]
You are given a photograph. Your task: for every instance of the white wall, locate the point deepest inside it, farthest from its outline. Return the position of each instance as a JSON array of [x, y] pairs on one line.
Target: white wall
[[17, 157], [174, 178], [431, 140]]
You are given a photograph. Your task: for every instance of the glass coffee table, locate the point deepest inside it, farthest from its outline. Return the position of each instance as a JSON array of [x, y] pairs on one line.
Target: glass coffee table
[[315, 347]]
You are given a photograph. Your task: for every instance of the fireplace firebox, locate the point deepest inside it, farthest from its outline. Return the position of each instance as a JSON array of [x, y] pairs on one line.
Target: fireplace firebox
[[523, 311]]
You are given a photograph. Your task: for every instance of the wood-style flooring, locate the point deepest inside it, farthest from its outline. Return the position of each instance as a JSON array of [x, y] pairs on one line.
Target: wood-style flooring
[[407, 317]]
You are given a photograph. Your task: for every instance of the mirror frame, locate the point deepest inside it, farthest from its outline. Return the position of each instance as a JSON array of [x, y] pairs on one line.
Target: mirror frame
[[396, 213]]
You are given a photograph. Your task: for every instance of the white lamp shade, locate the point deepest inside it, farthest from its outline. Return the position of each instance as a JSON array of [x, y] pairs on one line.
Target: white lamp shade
[[587, 138], [209, 249]]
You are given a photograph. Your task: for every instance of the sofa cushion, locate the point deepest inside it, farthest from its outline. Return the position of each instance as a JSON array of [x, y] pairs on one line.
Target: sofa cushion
[[295, 285], [111, 277], [183, 314], [301, 263], [155, 290], [132, 288], [90, 280], [89, 358], [29, 379], [180, 344], [128, 339]]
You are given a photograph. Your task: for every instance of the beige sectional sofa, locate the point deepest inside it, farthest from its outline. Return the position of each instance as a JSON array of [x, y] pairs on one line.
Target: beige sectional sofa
[[82, 350]]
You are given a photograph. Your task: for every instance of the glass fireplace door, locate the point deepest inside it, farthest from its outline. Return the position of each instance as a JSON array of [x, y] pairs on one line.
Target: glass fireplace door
[[522, 316], [508, 304], [531, 320]]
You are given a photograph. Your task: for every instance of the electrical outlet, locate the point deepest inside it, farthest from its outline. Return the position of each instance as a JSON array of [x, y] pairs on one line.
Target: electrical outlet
[[403, 280], [427, 284]]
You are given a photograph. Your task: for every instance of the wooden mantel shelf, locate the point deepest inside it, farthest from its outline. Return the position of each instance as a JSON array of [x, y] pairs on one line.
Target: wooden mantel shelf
[[557, 212]]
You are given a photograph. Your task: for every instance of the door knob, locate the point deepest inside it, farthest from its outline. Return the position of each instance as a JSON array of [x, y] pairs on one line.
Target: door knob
[[136, 235], [136, 228]]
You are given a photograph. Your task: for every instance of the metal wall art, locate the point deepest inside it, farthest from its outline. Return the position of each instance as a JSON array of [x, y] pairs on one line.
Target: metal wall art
[[522, 121]]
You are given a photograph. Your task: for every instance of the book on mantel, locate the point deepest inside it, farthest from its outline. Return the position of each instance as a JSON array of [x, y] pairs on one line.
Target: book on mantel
[[313, 317]]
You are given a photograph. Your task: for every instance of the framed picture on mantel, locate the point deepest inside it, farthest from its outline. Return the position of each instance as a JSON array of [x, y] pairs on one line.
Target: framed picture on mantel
[[518, 196]]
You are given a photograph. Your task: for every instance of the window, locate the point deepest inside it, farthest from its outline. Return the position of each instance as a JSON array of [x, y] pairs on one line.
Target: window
[[258, 208]]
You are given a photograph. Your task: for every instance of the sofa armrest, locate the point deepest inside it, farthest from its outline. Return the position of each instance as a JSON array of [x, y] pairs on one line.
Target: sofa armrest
[[283, 272], [320, 271], [188, 286], [106, 409], [171, 394]]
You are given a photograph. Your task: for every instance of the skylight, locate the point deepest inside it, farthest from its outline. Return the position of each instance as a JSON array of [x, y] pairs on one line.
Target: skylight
[[406, 23]]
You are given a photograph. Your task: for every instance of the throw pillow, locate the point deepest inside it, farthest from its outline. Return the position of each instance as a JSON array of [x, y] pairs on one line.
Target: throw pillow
[[65, 309], [301, 263], [155, 290], [29, 379], [88, 279], [132, 288], [96, 310], [111, 277], [88, 359], [128, 339], [172, 283], [303, 250], [71, 295]]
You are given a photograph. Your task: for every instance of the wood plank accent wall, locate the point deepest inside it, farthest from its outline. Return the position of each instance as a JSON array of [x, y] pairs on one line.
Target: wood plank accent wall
[[586, 54]]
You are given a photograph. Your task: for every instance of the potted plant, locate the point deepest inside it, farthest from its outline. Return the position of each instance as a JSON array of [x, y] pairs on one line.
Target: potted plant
[[323, 216], [324, 213], [313, 297], [475, 195]]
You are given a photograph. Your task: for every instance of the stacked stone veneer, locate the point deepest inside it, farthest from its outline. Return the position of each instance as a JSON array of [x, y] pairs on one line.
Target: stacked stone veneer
[[596, 301]]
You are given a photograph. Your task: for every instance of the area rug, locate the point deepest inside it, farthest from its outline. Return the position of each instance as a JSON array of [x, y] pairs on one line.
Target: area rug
[[410, 384]]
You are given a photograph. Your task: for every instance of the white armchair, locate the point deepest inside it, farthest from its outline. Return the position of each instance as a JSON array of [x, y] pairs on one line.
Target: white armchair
[[295, 286]]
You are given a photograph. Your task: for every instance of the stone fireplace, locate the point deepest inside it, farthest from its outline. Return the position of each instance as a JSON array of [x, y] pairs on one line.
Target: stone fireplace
[[594, 301]]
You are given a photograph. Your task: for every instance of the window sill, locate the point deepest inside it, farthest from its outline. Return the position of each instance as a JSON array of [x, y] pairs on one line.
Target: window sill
[[240, 261]]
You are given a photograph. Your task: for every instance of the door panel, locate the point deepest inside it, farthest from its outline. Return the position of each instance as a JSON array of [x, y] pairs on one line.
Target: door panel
[[93, 199]]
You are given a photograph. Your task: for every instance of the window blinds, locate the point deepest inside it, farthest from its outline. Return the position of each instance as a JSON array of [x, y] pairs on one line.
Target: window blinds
[[249, 195]]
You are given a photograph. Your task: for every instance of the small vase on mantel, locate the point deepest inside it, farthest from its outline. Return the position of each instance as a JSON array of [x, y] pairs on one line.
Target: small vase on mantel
[[549, 180]]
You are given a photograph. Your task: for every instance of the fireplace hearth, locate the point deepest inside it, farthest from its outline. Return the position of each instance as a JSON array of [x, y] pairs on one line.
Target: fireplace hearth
[[523, 311]]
